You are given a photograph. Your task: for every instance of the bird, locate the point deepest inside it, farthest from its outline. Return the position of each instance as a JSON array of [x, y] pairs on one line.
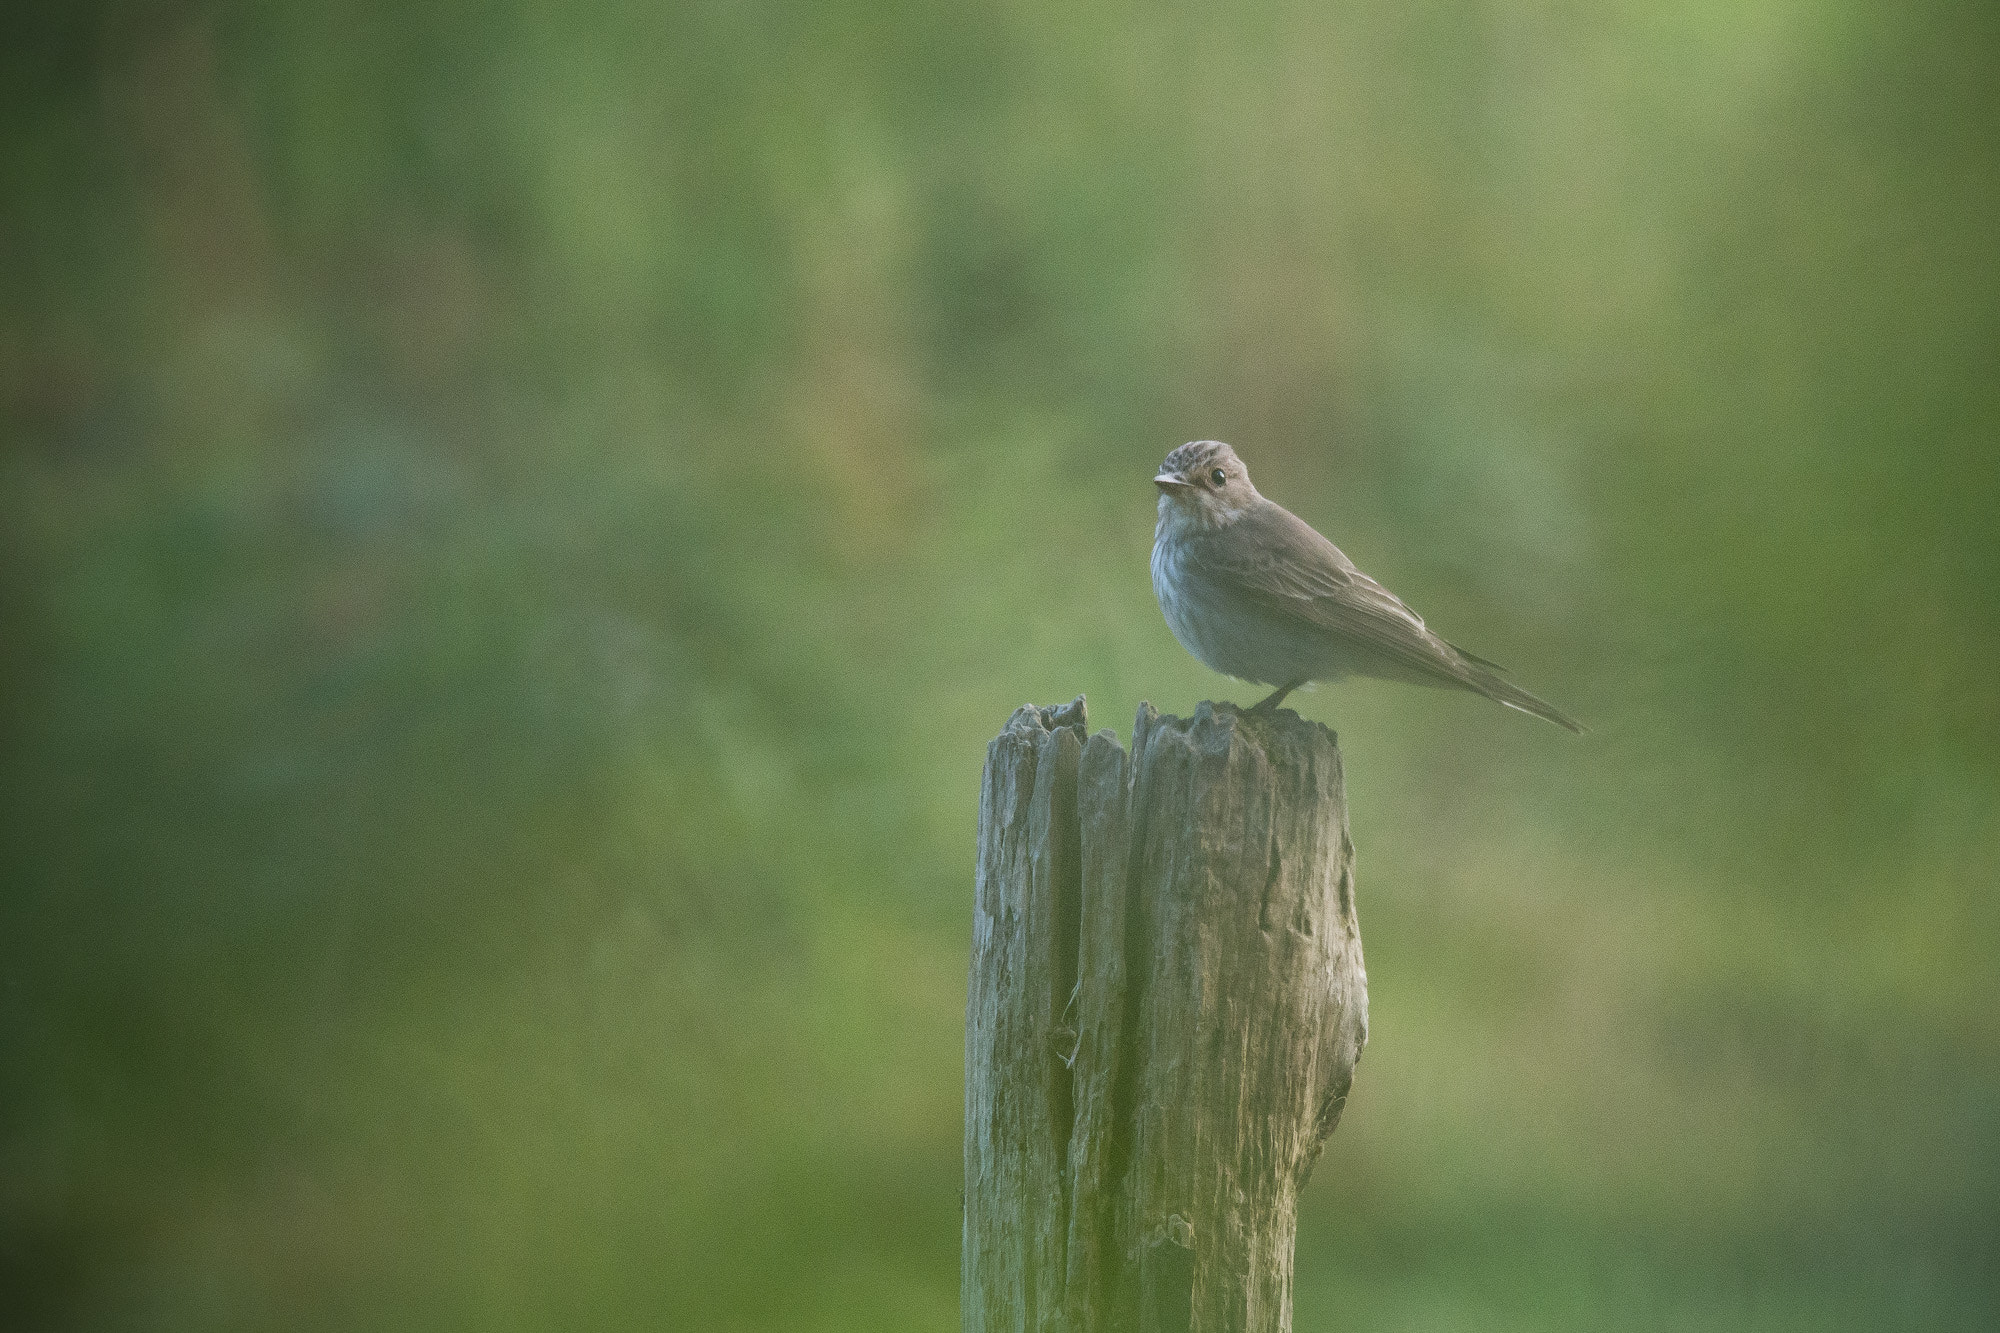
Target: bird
[[1254, 592]]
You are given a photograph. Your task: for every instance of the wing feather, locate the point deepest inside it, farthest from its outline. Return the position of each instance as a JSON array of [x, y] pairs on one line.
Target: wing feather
[[1285, 567]]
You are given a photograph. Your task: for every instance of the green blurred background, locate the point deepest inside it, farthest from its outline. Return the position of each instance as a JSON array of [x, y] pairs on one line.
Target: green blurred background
[[520, 519]]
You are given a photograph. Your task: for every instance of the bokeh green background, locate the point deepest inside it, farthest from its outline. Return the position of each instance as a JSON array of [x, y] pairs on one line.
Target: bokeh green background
[[520, 519]]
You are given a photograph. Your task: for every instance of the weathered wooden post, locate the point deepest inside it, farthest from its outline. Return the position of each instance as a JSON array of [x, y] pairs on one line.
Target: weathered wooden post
[[1166, 1005]]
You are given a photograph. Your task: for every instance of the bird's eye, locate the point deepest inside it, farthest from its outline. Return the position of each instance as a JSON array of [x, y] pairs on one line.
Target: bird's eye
[[1218, 476]]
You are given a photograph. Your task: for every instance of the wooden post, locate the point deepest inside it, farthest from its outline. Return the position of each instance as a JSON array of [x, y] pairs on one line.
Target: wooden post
[[1166, 1005]]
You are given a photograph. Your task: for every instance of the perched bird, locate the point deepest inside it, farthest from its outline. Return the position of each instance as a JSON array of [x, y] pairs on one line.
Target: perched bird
[[1254, 592]]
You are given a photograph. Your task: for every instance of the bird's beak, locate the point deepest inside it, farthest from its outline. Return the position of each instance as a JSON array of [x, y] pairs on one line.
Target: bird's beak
[[1170, 482]]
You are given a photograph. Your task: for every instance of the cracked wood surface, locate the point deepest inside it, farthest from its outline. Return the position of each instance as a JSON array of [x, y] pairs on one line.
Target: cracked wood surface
[[1166, 1005]]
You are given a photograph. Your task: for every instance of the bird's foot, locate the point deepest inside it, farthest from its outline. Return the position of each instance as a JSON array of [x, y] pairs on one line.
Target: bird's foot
[[1270, 702]]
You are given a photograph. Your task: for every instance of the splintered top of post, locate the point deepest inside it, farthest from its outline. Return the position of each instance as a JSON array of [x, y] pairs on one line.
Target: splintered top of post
[[1212, 723], [1033, 718]]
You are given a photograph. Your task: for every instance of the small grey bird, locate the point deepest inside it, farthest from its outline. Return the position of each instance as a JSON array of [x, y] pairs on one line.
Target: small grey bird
[[1254, 592]]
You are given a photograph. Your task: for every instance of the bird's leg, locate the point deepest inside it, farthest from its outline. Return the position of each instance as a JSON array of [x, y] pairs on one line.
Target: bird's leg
[[1276, 697]]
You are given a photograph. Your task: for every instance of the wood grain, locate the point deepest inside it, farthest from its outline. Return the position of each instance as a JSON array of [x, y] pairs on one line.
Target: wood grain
[[1166, 1004]]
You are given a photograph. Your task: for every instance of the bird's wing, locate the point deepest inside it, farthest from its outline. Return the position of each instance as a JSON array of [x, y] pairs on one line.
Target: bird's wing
[[1284, 566], [1285, 569]]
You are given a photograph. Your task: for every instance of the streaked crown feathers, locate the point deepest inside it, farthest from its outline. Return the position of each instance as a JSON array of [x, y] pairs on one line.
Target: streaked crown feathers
[[1197, 454]]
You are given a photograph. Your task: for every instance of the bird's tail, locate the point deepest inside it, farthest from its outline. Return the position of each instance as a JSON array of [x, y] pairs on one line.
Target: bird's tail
[[1482, 676]]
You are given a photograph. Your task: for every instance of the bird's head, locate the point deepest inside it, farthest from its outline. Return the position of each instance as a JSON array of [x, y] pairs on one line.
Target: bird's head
[[1204, 482]]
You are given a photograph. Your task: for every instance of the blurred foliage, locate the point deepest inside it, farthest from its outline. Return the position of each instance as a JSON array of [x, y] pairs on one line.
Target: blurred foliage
[[520, 518]]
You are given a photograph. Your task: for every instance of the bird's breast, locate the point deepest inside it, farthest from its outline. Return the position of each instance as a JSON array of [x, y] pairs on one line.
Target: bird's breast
[[1184, 601]]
